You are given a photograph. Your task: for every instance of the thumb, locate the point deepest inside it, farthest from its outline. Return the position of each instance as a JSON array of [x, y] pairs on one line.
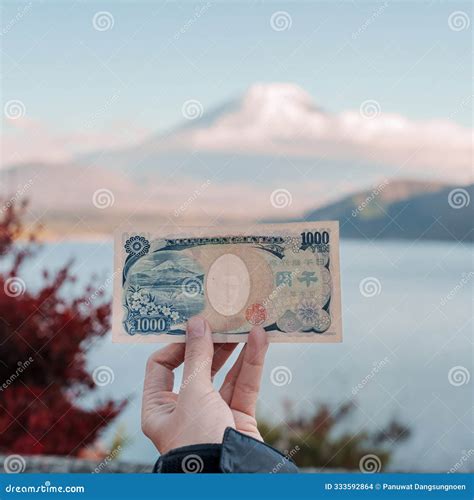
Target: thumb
[[198, 356]]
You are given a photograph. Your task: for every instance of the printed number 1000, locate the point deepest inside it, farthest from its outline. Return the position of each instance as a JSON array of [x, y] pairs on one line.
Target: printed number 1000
[[151, 324], [316, 238]]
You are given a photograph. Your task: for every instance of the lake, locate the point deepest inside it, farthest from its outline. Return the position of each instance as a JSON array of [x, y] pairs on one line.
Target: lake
[[404, 329]]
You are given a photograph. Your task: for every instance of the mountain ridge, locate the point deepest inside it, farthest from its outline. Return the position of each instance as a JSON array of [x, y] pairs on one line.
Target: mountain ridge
[[283, 119], [273, 137], [430, 214]]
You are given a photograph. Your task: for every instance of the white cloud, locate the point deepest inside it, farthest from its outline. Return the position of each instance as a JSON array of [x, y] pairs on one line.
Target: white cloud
[[282, 119], [26, 140], [272, 119]]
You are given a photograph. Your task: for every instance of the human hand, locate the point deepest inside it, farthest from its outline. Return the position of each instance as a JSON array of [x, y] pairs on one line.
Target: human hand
[[198, 413]]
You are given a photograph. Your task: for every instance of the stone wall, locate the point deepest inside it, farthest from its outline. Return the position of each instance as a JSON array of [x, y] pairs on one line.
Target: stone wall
[[46, 463], [57, 464]]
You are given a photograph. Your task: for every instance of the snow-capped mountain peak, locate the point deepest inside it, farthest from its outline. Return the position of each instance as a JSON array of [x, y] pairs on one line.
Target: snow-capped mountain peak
[[169, 265], [273, 136], [276, 98], [266, 112]]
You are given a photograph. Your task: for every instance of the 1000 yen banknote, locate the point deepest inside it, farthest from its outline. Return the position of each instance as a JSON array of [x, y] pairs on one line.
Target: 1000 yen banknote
[[284, 277]]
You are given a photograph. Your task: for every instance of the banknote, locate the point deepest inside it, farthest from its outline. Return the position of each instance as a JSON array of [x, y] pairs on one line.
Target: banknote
[[284, 277]]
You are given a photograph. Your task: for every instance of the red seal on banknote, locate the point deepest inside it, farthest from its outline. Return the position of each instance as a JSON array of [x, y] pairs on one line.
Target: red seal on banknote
[[256, 314]]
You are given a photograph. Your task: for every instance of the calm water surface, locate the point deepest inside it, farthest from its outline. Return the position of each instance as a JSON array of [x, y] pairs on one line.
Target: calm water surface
[[414, 331]]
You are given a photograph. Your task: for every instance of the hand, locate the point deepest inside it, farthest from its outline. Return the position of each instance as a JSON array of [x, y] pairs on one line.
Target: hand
[[200, 414]]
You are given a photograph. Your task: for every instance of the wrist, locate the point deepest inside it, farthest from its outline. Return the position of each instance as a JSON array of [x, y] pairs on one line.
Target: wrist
[[194, 435]]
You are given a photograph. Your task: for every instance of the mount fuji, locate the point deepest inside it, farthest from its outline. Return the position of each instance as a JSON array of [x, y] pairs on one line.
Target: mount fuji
[[225, 163], [282, 121]]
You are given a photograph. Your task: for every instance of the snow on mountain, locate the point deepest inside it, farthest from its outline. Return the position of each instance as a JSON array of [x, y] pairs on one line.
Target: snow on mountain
[[274, 137], [281, 120], [173, 267]]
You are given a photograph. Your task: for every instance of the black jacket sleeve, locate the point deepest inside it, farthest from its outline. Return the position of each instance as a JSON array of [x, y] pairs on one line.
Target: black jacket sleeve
[[237, 453]]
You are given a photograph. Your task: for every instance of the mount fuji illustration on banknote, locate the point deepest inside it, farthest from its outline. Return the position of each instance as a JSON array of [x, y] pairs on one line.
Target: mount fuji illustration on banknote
[[283, 277]]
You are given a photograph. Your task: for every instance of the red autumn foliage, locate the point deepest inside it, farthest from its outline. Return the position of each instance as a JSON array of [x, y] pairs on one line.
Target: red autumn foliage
[[44, 339]]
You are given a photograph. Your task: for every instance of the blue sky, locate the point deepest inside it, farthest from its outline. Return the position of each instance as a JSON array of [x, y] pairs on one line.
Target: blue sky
[[402, 54]]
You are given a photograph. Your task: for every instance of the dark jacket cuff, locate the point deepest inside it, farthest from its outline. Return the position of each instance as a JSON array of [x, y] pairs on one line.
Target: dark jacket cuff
[[237, 453]]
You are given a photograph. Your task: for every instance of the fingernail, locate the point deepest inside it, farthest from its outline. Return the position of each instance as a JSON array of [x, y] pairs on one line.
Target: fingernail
[[196, 327]]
